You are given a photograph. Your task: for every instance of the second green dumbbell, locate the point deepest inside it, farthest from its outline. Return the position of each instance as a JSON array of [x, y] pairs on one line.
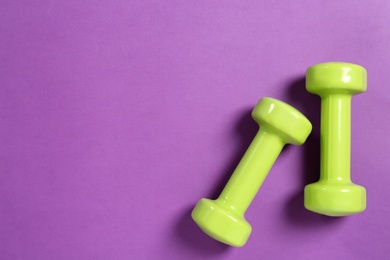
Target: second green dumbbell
[[223, 218], [335, 194]]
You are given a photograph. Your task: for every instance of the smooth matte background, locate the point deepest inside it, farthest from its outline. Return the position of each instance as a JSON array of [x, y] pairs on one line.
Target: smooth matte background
[[117, 116]]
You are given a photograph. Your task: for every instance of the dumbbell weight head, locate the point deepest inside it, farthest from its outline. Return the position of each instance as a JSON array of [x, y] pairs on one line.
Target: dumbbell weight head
[[335, 199], [336, 78], [290, 124], [221, 222]]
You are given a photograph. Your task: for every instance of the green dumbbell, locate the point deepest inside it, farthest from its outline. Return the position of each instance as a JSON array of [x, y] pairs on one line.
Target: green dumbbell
[[335, 194], [223, 218]]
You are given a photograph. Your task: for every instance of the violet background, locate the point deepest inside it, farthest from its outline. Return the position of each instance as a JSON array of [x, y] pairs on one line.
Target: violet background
[[117, 116]]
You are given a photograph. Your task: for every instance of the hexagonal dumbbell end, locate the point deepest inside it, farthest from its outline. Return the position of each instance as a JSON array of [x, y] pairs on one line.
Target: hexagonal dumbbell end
[[223, 218], [335, 194]]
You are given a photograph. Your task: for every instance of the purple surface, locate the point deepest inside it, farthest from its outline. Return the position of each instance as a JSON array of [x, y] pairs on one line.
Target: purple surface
[[117, 116]]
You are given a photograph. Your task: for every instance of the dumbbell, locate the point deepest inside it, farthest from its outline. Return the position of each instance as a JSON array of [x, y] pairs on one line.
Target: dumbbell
[[335, 194], [223, 218]]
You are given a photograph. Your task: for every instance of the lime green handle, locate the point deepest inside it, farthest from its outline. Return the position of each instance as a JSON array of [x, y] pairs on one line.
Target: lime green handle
[[335, 138], [252, 170]]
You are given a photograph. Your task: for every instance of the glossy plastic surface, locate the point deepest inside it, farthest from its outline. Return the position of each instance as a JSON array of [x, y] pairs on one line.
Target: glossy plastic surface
[[335, 194], [223, 219]]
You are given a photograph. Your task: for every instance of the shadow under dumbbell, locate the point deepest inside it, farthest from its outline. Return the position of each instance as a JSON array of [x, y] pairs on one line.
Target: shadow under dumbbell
[[243, 132], [310, 106]]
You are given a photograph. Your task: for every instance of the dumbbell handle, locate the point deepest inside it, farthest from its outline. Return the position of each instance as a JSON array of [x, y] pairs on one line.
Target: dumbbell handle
[[252, 170], [335, 137]]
